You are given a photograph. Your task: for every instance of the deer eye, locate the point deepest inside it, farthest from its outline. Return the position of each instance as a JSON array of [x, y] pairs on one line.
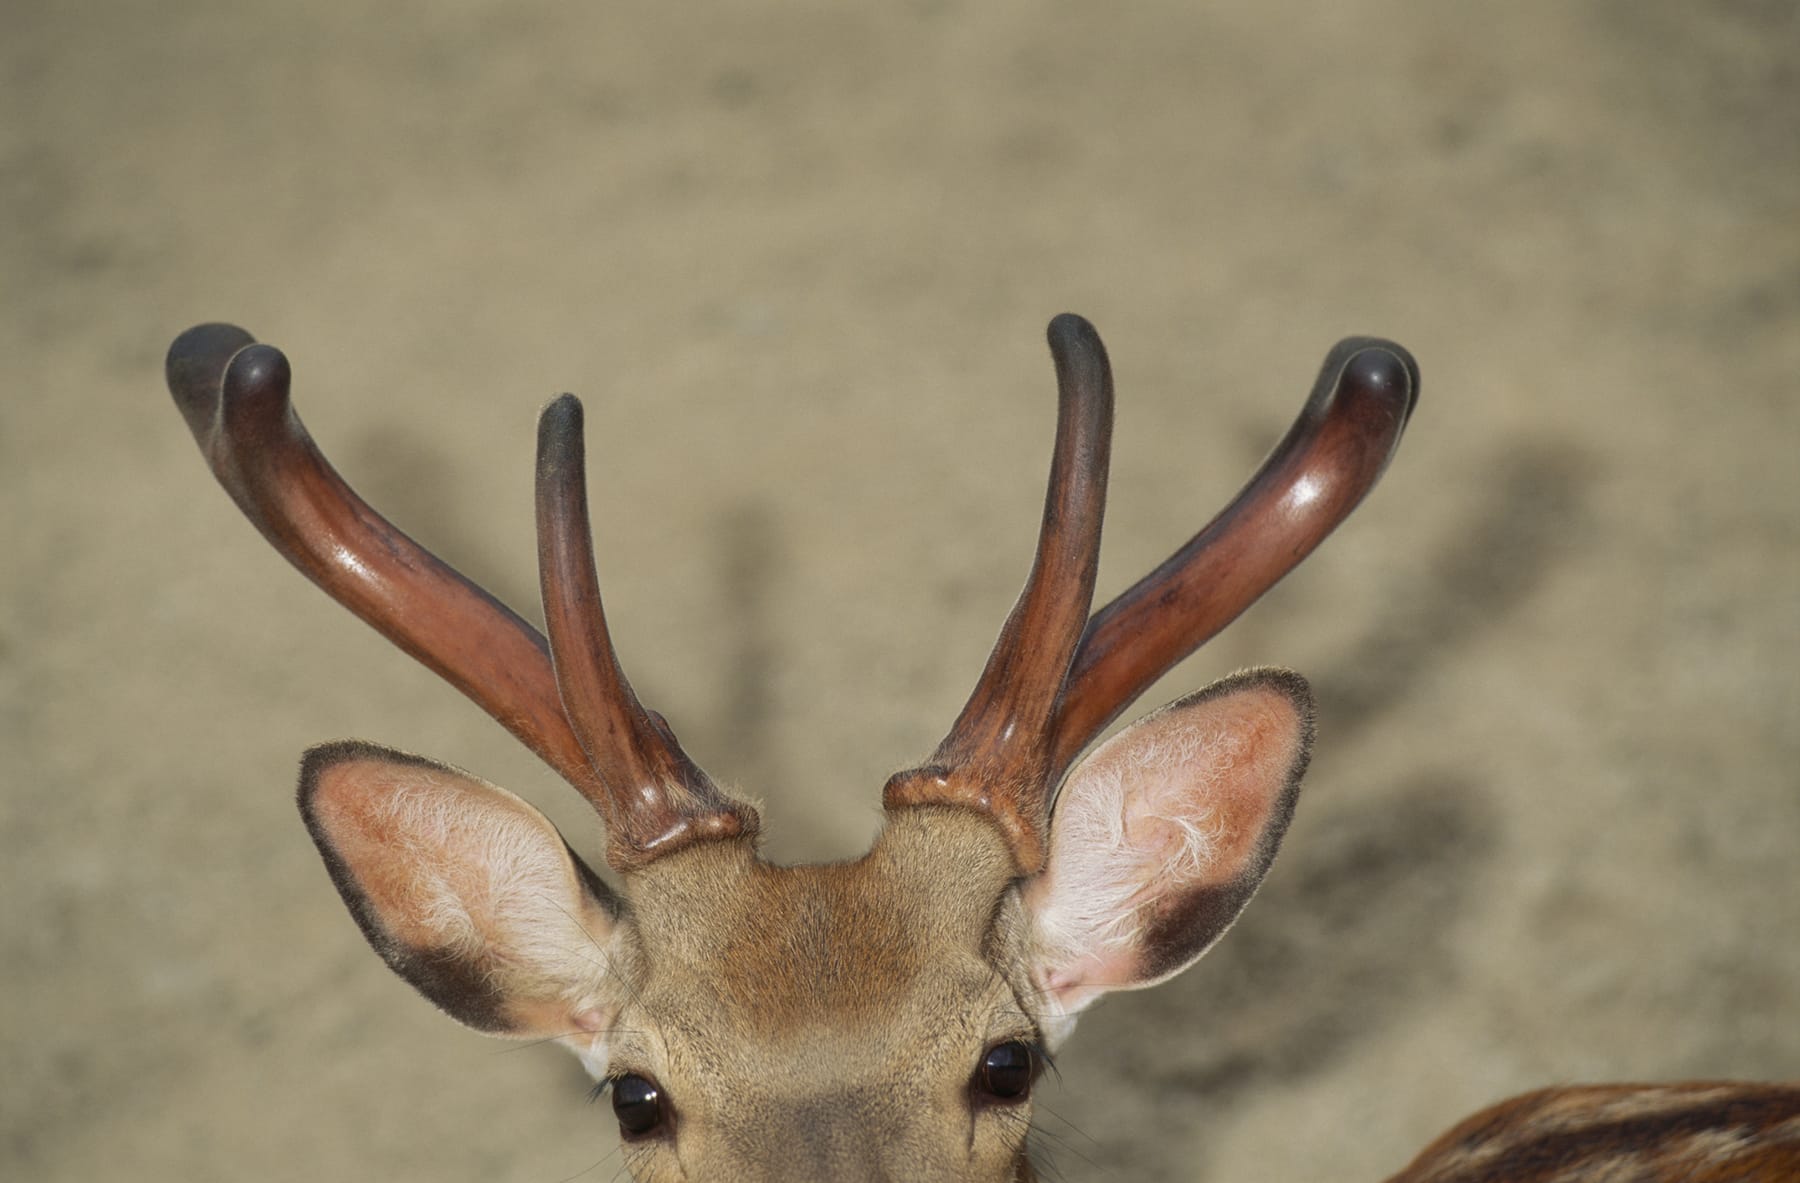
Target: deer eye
[[1005, 1072], [637, 1102]]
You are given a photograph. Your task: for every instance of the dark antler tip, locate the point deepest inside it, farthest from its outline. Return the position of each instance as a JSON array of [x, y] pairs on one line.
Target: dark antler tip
[[559, 429], [195, 367], [1079, 354], [1385, 370], [206, 344], [257, 369], [1072, 335], [564, 408]]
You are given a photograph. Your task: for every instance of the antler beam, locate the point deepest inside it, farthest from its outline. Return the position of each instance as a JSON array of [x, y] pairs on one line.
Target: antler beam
[[1050, 685], [997, 754], [1007, 752], [577, 713], [234, 395], [1330, 458], [656, 799]]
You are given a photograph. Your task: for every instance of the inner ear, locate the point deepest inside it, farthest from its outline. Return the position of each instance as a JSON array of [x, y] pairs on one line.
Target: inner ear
[[466, 891], [1161, 836]]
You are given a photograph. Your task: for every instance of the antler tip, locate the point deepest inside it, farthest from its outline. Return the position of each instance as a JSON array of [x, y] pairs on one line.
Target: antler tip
[[256, 385], [195, 368], [561, 409], [1378, 368], [1080, 358], [559, 433], [1075, 336]]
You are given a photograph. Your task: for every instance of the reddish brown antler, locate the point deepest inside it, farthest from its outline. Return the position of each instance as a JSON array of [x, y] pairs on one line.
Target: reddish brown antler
[[1049, 687], [656, 799], [997, 755], [234, 395], [1321, 470], [1006, 752]]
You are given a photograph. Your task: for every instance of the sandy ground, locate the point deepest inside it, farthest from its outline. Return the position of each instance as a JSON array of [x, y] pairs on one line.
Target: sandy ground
[[798, 258]]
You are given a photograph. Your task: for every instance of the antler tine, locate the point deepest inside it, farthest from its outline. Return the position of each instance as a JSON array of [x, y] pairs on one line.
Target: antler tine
[[655, 800], [1319, 472], [997, 755], [234, 395]]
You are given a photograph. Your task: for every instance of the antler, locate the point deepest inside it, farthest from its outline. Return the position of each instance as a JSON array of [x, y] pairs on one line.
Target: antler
[[1330, 458], [1050, 686], [1006, 754], [998, 753], [656, 799], [234, 395]]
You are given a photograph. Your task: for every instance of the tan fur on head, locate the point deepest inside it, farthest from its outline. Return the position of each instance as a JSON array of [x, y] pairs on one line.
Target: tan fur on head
[[827, 1021]]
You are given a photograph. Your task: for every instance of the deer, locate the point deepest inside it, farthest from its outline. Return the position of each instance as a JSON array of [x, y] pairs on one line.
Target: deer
[[889, 1017]]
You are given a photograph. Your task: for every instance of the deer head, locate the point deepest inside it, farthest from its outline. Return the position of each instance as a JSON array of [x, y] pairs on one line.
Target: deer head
[[885, 1018]]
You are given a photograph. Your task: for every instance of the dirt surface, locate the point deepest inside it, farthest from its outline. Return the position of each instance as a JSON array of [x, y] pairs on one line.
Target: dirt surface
[[798, 259]]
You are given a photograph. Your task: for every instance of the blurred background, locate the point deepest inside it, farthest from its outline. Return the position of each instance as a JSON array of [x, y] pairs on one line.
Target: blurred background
[[797, 258]]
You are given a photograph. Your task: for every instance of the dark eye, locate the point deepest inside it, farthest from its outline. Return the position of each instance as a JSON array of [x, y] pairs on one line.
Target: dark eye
[[638, 1104], [1005, 1072]]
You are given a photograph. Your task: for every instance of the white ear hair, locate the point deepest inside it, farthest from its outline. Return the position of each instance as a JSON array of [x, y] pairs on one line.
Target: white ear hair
[[1143, 801], [1162, 834], [465, 890]]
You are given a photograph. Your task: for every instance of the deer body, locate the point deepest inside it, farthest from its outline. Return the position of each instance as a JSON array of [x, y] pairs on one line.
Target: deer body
[[885, 1018], [1697, 1132]]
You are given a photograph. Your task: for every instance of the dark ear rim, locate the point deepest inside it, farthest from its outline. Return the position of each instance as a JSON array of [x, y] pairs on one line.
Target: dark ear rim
[[453, 985], [1184, 931]]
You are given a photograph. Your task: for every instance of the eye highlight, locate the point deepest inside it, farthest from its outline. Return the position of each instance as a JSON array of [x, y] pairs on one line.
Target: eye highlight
[[1005, 1073], [639, 1105]]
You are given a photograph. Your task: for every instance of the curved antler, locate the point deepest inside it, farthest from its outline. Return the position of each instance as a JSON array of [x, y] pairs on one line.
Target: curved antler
[[1330, 458], [998, 754], [1049, 686], [656, 800], [234, 395], [1009, 749]]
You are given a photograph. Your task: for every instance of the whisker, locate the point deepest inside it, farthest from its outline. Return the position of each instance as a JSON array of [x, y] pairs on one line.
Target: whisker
[[590, 1167]]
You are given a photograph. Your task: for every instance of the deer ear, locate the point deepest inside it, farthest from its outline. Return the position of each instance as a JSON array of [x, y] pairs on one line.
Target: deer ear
[[1161, 836], [466, 891]]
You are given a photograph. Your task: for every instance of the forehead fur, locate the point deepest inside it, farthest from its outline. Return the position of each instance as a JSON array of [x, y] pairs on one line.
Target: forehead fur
[[785, 949], [842, 1005]]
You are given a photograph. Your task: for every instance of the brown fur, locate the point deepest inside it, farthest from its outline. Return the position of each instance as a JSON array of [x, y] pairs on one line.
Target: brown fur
[[1673, 1133], [824, 1022], [802, 1023]]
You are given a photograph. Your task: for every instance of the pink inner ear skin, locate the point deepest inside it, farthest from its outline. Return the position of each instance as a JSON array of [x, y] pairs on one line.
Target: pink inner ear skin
[[1244, 748], [1161, 836], [353, 805], [413, 835], [465, 890]]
